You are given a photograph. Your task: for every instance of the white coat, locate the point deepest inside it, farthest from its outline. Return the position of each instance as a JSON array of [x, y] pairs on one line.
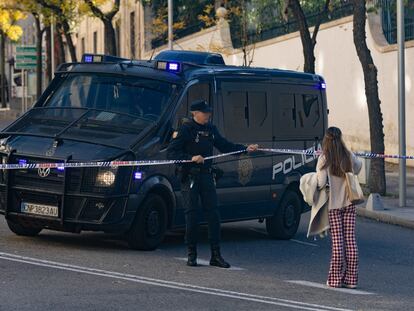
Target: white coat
[[318, 199]]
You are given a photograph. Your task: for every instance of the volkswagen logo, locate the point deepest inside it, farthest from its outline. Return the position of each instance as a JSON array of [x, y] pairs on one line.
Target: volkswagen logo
[[43, 172]]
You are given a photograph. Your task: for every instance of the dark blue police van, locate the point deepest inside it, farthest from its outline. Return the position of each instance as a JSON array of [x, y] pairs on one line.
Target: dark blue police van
[[106, 108]]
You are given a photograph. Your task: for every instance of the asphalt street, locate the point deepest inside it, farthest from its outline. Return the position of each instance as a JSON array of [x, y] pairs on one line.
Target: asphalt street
[[93, 271]]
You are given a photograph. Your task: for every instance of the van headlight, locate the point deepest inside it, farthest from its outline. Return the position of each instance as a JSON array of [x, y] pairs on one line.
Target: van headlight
[[105, 177]]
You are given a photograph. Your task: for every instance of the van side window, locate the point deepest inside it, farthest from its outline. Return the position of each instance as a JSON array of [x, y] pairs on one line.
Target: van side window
[[199, 91], [297, 115], [285, 113], [234, 104], [308, 111], [258, 111], [195, 92], [246, 116]]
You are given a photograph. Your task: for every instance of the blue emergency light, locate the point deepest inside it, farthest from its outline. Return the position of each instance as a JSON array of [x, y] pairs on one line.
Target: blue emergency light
[[88, 58], [100, 58], [320, 86], [22, 162], [138, 175], [173, 66], [169, 66]]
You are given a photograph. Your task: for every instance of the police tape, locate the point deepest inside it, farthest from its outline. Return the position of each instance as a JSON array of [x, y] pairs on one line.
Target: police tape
[[112, 164], [313, 152]]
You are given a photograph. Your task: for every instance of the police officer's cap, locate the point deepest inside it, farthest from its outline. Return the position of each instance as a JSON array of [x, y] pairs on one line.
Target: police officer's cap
[[200, 105]]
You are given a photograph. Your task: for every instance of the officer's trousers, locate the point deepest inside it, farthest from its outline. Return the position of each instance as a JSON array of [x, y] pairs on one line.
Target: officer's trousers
[[201, 187]]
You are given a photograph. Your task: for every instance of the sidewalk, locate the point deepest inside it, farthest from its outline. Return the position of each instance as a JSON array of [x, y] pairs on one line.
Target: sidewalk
[[393, 214]]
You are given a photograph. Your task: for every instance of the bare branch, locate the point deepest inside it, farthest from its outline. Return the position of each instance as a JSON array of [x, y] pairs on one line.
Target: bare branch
[[101, 15], [319, 21], [114, 10], [95, 10]]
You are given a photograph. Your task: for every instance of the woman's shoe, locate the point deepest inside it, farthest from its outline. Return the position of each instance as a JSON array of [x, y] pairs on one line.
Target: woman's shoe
[[327, 284], [350, 286]]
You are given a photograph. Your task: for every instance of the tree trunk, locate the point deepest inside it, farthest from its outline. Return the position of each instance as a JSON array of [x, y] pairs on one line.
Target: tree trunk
[[110, 39], [307, 44], [377, 173], [71, 46], [109, 31], [39, 71], [2, 71], [48, 55], [60, 55]]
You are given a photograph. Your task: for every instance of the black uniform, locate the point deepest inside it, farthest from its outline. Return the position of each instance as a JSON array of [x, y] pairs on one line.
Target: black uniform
[[198, 179]]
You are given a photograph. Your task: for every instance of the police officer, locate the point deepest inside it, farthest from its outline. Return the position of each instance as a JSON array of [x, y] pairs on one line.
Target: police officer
[[195, 141]]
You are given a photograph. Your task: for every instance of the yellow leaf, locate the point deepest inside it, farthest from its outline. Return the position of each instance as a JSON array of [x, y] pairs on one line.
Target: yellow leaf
[[14, 32]]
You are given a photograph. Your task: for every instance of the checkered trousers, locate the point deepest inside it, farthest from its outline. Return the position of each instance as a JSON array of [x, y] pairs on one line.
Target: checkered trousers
[[343, 269]]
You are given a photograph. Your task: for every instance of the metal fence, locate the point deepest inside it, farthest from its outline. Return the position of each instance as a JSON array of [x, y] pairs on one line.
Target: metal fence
[[386, 8], [388, 11], [280, 28], [275, 29]]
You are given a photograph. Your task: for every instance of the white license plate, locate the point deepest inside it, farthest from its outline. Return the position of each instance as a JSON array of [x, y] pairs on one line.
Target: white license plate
[[39, 209]]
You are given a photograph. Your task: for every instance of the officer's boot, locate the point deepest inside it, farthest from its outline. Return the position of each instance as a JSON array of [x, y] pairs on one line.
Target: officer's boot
[[217, 260], [192, 256]]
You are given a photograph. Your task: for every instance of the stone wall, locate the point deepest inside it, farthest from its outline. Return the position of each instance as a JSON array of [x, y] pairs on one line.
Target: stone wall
[[337, 62]]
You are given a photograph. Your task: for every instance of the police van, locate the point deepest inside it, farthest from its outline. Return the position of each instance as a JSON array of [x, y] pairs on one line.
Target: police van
[[107, 108]]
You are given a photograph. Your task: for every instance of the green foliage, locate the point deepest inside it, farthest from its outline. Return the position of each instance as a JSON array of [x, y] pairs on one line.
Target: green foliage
[[185, 15]]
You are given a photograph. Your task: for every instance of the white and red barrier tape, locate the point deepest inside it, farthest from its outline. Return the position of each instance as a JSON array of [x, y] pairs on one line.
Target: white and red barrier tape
[[61, 165]]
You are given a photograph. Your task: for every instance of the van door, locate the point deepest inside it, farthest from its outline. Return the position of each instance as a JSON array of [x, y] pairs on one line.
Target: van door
[[298, 123], [243, 115], [196, 90]]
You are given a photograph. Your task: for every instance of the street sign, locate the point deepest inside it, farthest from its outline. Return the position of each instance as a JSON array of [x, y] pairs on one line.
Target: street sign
[[26, 56], [25, 66], [23, 58], [26, 49]]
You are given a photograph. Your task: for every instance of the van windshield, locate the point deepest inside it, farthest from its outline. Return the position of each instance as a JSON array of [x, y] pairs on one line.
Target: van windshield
[[143, 98], [98, 108]]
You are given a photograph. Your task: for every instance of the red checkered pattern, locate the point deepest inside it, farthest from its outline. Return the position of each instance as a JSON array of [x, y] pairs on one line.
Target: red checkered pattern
[[343, 269]]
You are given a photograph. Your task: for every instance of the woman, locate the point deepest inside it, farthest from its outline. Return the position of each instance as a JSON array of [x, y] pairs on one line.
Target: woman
[[334, 161]]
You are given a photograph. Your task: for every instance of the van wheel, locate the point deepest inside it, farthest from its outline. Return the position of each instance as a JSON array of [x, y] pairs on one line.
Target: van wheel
[[150, 224], [284, 224], [23, 230]]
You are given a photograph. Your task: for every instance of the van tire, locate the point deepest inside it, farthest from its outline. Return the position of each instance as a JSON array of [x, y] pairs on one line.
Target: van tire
[[150, 225], [284, 224], [23, 230]]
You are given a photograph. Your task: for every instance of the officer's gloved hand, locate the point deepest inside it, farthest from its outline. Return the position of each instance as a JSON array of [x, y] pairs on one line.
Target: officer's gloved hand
[[198, 159], [251, 148]]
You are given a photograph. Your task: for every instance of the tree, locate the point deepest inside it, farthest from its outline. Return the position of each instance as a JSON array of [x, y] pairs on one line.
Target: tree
[[377, 182], [308, 40], [64, 13], [185, 14], [106, 18], [42, 20], [9, 15], [158, 28], [39, 53], [245, 24]]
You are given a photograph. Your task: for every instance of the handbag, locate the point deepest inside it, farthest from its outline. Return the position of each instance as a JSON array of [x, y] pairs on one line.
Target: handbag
[[353, 188]]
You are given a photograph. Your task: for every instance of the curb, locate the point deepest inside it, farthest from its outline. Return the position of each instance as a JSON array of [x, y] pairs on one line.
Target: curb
[[385, 218]]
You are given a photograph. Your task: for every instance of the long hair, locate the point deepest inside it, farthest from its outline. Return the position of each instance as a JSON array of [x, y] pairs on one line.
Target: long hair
[[337, 156]]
